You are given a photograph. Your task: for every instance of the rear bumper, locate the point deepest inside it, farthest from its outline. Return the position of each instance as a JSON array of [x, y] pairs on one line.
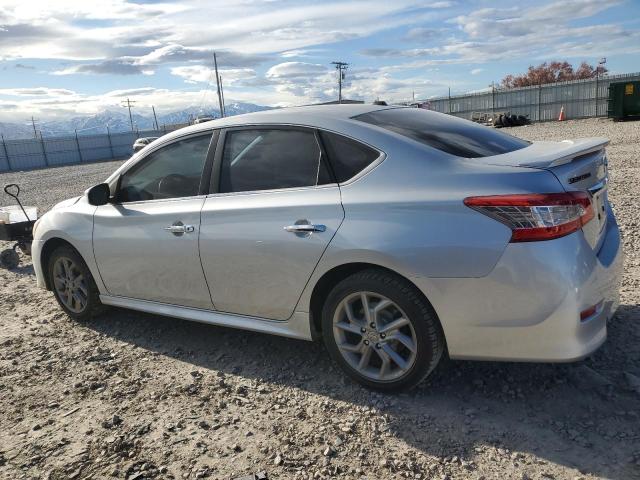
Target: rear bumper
[[528, 308]]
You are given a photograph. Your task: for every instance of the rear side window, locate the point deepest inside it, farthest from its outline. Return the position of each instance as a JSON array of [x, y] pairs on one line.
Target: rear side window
[[347, 157], [446, 133], [268, 159]]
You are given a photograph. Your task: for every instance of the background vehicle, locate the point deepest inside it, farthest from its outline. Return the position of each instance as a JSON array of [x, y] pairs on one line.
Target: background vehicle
[[140, 143], [395, 234], [202, 120]]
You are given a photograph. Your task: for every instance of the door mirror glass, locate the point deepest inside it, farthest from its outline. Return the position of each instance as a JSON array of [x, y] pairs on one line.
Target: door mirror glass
[[99, 195]]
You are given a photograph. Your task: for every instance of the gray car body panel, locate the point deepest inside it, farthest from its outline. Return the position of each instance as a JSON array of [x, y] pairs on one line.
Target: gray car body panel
[[495, 299]]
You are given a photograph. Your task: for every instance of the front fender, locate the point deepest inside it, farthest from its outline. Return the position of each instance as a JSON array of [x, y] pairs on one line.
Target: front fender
[[72, 224]]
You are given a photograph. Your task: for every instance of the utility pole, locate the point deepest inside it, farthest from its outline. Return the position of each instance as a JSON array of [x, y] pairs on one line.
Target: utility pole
[[33, 122], [215, 66], [154, 117], [224, 107], [128, 103], [341, 67]]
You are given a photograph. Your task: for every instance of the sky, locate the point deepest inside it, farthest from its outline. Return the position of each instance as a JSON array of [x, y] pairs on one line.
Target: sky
[[64, 58]]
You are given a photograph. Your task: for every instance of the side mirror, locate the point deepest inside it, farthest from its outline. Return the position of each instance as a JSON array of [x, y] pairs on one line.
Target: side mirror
[[99, 195]]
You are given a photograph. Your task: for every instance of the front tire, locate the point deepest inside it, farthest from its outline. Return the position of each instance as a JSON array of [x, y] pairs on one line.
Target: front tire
[[381, 330], [73, 285]]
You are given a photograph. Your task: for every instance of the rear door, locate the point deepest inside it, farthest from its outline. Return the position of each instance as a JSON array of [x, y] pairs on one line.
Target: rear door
[[146, 241], [275, 210]]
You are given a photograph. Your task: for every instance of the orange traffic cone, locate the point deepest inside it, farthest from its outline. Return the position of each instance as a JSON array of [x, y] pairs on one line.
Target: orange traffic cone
[[561, 116]]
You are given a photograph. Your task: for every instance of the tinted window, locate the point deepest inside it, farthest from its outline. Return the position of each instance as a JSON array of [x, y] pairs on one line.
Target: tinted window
[[170, 172], [347, 157], [445, 132], [271, 159]]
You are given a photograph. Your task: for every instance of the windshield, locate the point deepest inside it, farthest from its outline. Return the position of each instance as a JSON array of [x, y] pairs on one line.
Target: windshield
[[446, 133]]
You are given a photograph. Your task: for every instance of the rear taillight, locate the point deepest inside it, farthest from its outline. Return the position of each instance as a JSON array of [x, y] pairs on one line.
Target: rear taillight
[[534, 217]]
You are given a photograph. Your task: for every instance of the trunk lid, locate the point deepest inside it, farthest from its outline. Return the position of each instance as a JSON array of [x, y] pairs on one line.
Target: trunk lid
[[579, 165]]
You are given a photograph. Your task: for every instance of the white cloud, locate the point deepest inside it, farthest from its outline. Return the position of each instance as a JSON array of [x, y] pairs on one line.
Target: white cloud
[[476, 71], [204, 74], [35, 92]]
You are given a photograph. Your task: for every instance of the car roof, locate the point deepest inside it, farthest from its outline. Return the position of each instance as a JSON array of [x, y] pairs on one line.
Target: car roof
[[310, 115]]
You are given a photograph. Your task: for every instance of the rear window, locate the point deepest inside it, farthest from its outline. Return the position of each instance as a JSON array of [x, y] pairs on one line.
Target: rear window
[[347, 157], [446, 133]]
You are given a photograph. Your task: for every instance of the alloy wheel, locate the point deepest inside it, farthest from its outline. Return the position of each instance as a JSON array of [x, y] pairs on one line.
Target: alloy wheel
[[374, 336], [70, 284]]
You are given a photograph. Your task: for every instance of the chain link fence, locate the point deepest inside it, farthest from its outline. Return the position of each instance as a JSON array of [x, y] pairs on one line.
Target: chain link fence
[[580, 99]]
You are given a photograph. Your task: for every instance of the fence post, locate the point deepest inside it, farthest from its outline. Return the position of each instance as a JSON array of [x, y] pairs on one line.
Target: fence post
[[6, 152], [597, 75], [78, 145], [110, 144], [539, 102], [493, 100], [44, 150]]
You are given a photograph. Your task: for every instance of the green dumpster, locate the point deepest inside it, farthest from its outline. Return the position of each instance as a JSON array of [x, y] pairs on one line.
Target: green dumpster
[[624, 100]]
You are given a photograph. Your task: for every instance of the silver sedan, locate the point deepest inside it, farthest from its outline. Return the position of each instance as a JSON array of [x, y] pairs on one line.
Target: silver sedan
[[396, 235]]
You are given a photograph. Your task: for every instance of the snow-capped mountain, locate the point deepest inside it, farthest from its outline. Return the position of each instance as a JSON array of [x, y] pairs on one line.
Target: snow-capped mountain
[[117, 120]]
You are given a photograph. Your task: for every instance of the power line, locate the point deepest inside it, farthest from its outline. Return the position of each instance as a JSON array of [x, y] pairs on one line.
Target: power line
[[341, 67], [128, 103]]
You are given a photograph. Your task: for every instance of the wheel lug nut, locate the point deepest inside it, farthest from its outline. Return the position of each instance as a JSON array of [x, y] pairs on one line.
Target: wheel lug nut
[[378, 345], [363, 330], [372, 325], [366, 342], [382, 335]]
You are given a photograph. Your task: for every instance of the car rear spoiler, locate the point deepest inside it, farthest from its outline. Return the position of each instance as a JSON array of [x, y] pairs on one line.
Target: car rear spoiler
[[544, 154]]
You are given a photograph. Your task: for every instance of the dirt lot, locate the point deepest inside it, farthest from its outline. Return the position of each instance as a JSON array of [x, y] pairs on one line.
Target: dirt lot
[[139, 396]]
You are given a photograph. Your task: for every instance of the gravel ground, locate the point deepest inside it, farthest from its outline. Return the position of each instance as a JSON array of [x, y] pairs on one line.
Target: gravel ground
[[139, 396]]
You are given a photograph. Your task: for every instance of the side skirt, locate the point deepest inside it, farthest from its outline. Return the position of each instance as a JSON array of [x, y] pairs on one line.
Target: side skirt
[[297, 326]]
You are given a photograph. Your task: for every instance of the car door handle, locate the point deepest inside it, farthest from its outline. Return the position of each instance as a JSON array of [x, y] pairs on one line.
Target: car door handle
[[178, 229], [305, 228]]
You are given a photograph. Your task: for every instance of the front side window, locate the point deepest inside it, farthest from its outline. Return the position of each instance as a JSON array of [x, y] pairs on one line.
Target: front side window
[[446, 133], [269, 159], [170, 172]]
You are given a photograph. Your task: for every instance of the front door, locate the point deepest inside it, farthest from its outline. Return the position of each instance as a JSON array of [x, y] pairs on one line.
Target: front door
[[146, 242], [275, 211]]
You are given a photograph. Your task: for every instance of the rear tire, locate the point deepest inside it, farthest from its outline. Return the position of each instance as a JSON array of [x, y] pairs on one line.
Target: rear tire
[[396, 345], [73, 285]]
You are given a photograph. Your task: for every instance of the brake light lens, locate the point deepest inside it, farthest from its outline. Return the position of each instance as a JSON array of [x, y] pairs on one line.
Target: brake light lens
[[536, 217]]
